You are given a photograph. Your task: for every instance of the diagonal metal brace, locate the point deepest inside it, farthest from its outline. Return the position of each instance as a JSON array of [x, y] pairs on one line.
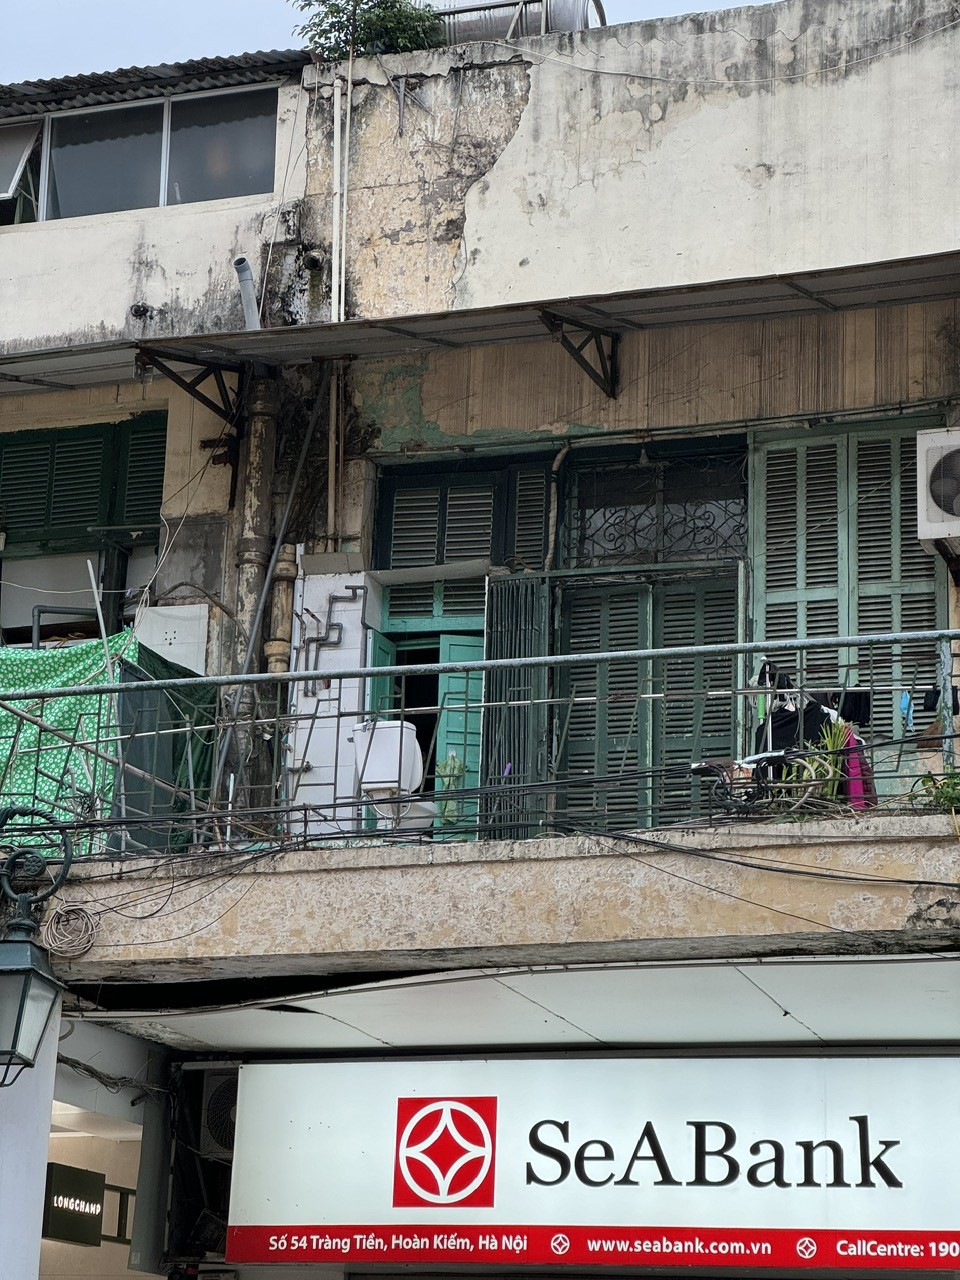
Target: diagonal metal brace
[[226, 405], [603, 368]]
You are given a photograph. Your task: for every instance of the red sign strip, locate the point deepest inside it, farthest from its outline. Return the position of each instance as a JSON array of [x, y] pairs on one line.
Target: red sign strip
[[598, 1246]]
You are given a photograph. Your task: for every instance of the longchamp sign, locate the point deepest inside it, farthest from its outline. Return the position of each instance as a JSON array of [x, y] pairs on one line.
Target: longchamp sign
[[769, 1162]]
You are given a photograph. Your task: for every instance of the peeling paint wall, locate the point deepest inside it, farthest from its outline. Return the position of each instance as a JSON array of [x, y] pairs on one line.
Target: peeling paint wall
[[772, 139], [77, 279], [778, 138], [418, 145]]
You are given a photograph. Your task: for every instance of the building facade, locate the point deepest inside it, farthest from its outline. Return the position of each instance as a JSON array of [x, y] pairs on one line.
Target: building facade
[[534, 675]]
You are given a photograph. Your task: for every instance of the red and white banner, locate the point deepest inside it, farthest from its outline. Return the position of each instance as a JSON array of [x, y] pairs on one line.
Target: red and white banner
[[786, 1163]]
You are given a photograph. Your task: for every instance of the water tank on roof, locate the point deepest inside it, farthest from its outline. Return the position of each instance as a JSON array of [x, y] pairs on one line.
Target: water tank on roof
[[468, 23]]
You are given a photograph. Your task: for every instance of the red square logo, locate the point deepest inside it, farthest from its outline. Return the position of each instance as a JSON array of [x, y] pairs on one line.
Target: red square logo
[[446, 1152]]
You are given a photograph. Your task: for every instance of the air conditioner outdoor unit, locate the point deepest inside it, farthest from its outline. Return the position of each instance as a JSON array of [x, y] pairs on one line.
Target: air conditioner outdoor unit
[[938, 489], [218, 1118]]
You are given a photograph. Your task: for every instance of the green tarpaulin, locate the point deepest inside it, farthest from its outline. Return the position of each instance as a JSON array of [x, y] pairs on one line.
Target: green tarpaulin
[[141, 757]]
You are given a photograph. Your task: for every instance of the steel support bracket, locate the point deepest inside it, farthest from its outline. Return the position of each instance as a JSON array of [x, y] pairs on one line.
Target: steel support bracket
[[602, 365], [225, 406]]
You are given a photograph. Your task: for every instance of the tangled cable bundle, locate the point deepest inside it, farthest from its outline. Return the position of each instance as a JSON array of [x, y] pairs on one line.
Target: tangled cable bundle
[[69, 932]]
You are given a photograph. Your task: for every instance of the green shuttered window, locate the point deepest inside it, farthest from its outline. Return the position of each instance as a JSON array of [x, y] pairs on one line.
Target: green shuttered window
[[835, 552], [55, 486], [437, 520]]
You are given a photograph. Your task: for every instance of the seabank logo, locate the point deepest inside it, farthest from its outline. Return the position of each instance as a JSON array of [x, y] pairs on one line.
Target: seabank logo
[[446, 1152]]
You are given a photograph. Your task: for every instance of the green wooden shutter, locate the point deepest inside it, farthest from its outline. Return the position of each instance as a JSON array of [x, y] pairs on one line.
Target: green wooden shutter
[[515, 720], [77, 498], [835, 552], [467, 535], [695, 712], [799, 530], [459, 732], [382, 653], [414, 542], [602, 718], [142, 494], [54, 487], [530, 520], [893, 580], [25, 486], [57, 486]]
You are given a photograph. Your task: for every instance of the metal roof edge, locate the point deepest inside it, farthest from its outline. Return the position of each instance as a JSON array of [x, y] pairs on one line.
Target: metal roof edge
[[35, 97]]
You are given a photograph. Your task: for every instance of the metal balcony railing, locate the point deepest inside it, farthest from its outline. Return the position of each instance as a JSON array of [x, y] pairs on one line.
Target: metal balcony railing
[[600, 743]]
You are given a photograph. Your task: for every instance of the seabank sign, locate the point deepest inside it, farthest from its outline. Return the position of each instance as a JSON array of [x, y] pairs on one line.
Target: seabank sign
[[633, 1162]]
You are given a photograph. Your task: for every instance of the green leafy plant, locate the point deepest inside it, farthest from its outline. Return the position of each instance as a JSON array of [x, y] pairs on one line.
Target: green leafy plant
[[942, 794], [809, 783], [834, 738], [334, 27]]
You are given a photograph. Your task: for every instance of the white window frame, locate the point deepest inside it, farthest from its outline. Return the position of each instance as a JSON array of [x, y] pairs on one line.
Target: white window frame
[[46, 123], [26, 152]]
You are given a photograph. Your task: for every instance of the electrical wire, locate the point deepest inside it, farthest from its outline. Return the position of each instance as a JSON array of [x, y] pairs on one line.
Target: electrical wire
[[112, 1083], [69, 931]]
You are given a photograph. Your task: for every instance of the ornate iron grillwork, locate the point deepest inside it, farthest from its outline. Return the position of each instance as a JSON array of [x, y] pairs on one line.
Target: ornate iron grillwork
[[652, 512]]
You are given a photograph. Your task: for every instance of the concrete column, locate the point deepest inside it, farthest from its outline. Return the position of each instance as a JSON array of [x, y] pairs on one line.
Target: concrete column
[[25, 1109]]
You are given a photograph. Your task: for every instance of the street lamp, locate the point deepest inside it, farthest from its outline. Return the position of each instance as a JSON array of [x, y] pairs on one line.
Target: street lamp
[[28, 988]]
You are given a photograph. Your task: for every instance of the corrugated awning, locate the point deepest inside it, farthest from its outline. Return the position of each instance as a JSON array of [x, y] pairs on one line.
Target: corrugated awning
[[131, 84], [841, 289]]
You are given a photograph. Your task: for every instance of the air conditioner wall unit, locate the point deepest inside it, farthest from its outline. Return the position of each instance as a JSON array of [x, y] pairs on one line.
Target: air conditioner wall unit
[[218, 1117], [938, 489]]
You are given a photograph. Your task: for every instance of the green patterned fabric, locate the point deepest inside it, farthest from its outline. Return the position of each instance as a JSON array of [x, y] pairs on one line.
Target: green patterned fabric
[[57, 753]]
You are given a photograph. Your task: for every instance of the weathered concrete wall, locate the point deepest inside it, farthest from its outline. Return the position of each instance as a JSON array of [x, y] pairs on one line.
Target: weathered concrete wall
[[674, 380], [573, 900], [771, 139], [409, 174], [76, 279]]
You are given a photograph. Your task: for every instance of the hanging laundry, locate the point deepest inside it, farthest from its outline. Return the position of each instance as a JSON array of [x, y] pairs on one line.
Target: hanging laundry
[[906, 709]]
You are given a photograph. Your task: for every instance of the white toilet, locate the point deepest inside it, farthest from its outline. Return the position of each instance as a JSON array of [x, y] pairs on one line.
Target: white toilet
[[389, 773]]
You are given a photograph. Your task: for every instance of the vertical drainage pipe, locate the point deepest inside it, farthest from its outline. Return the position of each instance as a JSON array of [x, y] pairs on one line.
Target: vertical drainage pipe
[[335, 235], [333, 437], [344, 192]]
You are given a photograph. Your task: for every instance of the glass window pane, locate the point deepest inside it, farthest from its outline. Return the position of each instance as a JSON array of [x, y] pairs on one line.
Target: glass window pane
[[11, 991], [37, 1007], [222, 146], [16, 143], [105, 161]]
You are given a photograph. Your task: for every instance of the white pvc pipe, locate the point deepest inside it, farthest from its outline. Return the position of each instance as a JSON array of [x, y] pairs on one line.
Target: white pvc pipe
[[336, 212], [248, 294], [345, 185]]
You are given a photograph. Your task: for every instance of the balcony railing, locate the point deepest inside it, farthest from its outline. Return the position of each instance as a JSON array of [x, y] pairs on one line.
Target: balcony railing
[[601, 743]]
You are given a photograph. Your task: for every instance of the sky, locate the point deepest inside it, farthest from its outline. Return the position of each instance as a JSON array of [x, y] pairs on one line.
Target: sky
[[43, 39]]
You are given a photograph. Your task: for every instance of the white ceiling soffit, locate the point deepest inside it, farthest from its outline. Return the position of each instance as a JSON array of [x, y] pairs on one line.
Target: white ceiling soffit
[[67, 1121], [814, 1002]]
